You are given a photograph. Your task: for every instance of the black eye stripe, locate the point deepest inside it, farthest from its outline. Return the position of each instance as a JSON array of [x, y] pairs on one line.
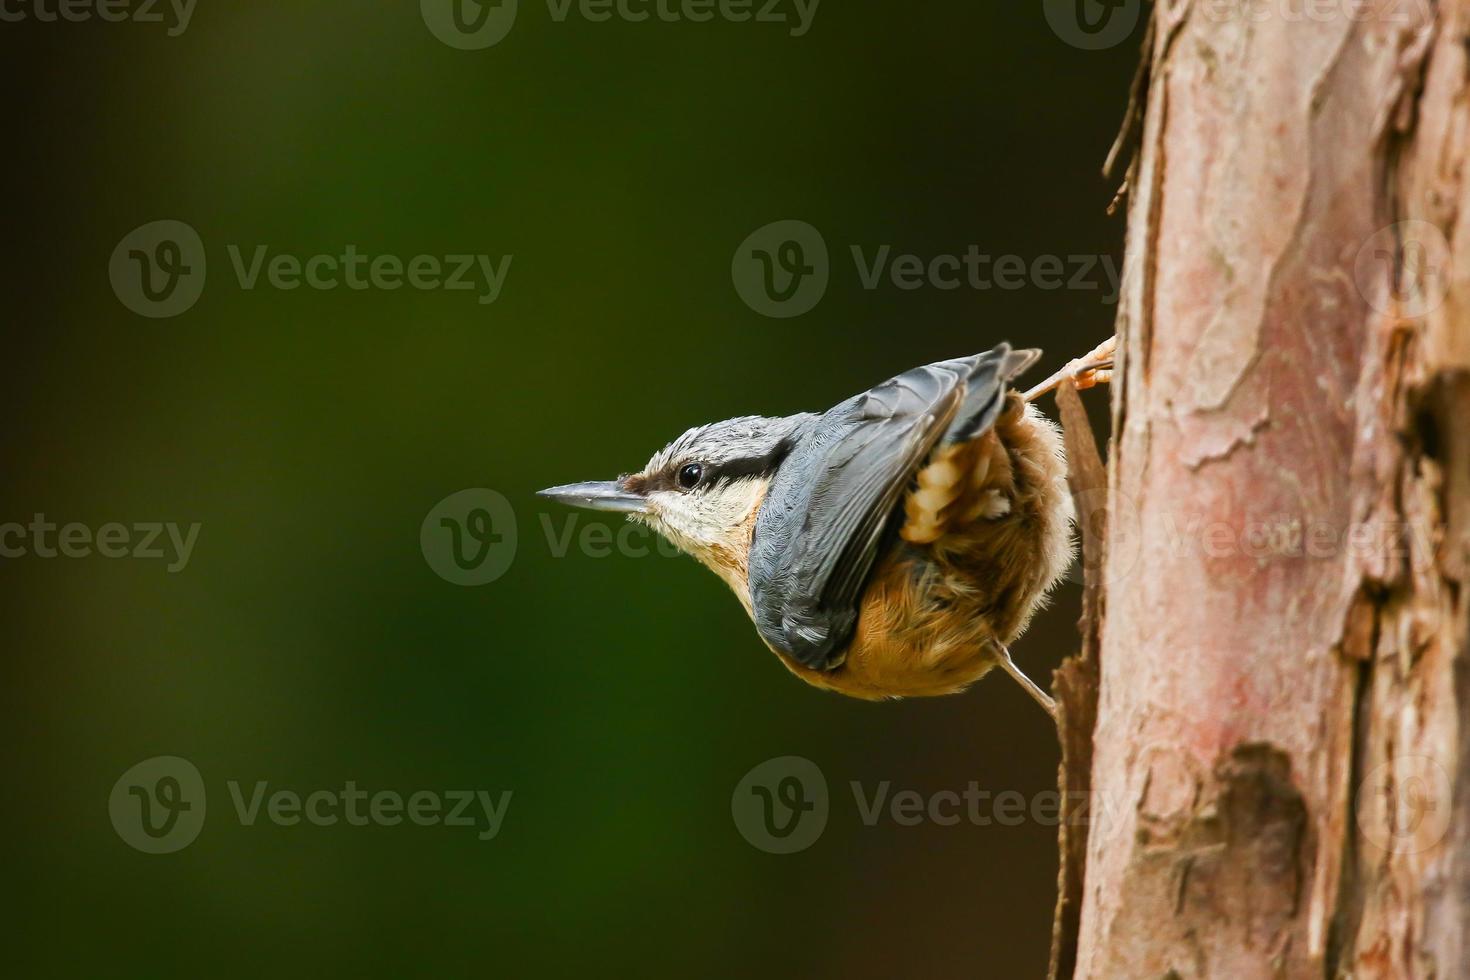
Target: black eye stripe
[[727, 471], [712, 473]]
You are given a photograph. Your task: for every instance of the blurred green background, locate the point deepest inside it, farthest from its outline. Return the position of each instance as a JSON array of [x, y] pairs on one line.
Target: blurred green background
[[621, 699]]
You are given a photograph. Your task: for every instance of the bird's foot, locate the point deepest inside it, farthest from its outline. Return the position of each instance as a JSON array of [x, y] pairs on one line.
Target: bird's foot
[[1092, 369], [1003, 657]]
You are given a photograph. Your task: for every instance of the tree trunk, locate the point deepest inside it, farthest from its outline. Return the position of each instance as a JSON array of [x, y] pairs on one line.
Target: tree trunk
[[1280, 772]]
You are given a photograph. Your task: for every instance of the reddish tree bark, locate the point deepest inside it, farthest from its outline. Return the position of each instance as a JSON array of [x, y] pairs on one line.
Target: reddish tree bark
[[1279, 775]]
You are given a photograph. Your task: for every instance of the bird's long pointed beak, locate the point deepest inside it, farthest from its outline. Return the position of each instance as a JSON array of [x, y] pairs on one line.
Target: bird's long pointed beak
[[605, 495]]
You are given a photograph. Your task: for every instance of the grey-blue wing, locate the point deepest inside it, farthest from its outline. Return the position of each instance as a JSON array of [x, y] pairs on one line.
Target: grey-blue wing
[[826, 513]]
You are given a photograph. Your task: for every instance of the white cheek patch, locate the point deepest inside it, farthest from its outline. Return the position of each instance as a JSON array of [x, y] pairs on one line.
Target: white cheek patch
[[672, 518], [704, 518]]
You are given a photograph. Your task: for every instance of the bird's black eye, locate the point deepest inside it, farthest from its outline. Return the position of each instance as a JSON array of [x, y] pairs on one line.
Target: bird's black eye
[[689, 476]]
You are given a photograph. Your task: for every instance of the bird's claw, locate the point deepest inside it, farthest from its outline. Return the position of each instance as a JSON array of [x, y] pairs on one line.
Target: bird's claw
[[1092, 369]]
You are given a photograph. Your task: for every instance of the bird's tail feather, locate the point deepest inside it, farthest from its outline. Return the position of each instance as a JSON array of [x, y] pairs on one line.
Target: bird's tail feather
[[985, 392], [1018, 362]]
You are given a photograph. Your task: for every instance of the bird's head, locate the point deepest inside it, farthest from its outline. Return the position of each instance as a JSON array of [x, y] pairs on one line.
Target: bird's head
[[702, 491]]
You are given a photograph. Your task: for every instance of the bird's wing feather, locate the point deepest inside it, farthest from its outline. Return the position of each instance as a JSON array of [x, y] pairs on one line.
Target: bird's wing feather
[[825, 517]]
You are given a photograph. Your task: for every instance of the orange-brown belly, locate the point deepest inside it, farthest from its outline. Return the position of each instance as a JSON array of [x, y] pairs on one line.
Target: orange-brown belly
[[986, 534]]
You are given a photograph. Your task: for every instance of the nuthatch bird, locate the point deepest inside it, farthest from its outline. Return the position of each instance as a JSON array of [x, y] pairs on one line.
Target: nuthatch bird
[[892, 546]]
